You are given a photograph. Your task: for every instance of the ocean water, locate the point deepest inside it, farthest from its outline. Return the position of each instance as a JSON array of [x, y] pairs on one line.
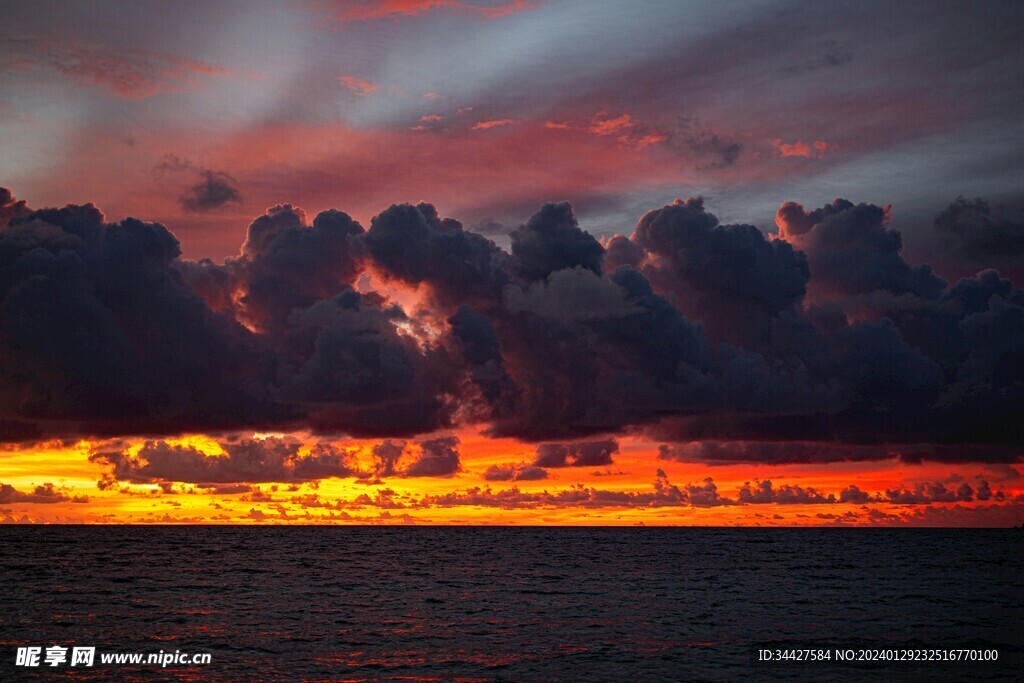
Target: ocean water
[[509, 604]]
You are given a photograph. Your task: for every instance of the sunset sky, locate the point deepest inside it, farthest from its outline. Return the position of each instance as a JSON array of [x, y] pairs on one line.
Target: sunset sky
[[512, 262]]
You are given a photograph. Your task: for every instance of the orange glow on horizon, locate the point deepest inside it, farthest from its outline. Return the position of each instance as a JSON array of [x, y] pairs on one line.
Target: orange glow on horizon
[[425, 500]]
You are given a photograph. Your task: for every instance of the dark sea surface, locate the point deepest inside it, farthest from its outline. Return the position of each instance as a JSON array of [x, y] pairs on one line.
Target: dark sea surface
[[509, 604]]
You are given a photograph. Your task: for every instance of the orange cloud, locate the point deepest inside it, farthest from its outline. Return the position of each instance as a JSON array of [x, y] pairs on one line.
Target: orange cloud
[[605, 126], [816, 150], [360, 86], [493, 123], [645, 140]]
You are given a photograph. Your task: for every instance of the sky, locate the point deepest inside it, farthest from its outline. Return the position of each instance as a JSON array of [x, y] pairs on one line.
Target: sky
[[512, 262]]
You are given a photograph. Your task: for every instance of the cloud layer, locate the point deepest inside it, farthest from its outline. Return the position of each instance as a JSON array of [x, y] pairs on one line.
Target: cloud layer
[[688, 330]]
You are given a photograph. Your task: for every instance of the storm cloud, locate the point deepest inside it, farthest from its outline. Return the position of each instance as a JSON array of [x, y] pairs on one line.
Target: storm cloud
[[821, 343]]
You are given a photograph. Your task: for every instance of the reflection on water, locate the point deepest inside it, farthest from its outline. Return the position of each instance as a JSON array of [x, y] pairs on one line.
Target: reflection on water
[[483, 604]]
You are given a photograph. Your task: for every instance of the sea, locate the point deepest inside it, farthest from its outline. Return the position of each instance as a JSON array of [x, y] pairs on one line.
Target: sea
[[468, 604]]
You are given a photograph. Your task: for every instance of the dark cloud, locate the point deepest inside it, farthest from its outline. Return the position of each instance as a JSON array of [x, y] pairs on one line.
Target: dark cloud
[[930, 492], [346, 361], [616, 365], [730, 277], [46, 493], [662, 494], [513, 472], [246, 461], [579, 454], [439, 458], [713, 151], [824, 344], [481, 348], [622, 251], [10, 207], [552, 240], [286, 264], [853, 494], [761, 492], [806, 452], [414, 245], [214, 190], [852, 251], [923, 493], [386, 455], [978, 230], [702, 495], [100, 334]]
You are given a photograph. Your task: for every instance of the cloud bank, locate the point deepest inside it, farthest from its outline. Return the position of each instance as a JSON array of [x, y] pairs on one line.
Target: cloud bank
[[688, 330]]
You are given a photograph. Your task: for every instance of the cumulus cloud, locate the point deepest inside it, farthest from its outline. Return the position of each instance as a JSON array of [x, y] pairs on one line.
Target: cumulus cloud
[[10, 207], [931, 492], [762, 492], [552, 241], [822, 344], [853, 494], [730, 277], [852, 251], [701, 495], [245, 461], [45, 493], [438, 458], [661, 494], [100, 334], [980, 230], [514, 472], [386, 455], [286, 263], [414, 245], [579, 454]]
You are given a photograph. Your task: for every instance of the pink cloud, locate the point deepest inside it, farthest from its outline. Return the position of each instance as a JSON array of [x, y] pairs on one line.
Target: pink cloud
[[347, 12], [493, 123], [602, 125], [360, 86], [133, 73]]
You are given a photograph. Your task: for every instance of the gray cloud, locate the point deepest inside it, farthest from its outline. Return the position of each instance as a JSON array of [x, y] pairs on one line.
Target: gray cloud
[[214, 190]]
